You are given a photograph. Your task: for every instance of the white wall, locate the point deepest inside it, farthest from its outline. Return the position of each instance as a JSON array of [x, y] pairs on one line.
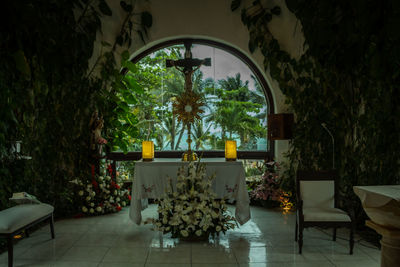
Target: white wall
[[214, 20]]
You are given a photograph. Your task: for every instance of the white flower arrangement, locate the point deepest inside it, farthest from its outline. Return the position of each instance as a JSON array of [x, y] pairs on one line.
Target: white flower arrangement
[[192, 209]]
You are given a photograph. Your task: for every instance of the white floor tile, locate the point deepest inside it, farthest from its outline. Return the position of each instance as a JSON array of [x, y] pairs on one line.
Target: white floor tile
[[169, 255], [114, 240]]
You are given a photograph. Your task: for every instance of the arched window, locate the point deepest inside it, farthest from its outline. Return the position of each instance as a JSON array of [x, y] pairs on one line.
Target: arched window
[[236, 96]]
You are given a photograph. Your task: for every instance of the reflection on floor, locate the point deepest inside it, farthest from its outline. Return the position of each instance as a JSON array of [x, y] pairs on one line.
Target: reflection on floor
[[113, 240]]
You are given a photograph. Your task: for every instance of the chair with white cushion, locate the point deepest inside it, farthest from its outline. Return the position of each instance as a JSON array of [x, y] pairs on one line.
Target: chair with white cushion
[[317, 202]]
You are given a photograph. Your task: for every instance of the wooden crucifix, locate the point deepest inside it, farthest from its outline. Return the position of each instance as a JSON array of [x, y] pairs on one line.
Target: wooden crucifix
[[188, 65], [187, 105]]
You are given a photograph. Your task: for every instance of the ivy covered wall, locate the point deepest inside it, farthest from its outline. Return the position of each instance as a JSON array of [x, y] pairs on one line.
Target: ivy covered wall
[[48, 92], [347, 79]]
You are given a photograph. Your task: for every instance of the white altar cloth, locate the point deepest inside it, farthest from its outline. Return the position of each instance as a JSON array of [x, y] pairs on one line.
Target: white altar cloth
[[151, 178]]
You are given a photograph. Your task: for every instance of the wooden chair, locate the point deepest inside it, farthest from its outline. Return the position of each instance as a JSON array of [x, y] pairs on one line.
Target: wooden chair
[[317, 193]]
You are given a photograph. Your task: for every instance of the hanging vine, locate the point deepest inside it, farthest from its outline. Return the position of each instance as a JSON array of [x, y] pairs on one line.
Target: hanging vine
[[347, 78], [49, 93]]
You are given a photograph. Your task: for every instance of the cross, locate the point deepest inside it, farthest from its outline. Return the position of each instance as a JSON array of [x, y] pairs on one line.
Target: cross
[[188, 65]]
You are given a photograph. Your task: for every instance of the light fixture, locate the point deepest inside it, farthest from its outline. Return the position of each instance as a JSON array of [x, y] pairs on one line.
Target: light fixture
[[147, 150], [230, 150]]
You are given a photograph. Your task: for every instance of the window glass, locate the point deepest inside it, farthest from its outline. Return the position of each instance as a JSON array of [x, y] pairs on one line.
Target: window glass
[[235, 105]]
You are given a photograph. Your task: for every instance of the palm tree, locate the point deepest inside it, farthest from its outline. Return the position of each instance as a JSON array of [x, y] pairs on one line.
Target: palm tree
[[200, 133], [235, 112]]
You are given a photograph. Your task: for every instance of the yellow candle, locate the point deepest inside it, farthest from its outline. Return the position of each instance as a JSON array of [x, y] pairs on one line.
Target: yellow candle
[[230, 150], [147, 150]]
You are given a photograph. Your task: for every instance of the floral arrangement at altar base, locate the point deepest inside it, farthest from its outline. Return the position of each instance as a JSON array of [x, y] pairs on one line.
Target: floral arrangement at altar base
[[101, 194], [191, 212]]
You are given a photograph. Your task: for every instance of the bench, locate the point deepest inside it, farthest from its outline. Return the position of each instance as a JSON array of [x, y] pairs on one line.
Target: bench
[[21, 217]]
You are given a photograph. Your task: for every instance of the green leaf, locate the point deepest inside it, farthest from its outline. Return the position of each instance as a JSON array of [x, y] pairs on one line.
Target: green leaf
[[119, 40], [130, 66], [268, 17], [125, 55], [147, 19], [133, 84], [235, 4], [105, 44], [127, 8], [21, 63], [141, 36], [276, 10], [252, 46], [104, 8]]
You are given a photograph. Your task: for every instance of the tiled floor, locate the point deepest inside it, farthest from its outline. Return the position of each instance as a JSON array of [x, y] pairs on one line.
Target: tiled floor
[[113, 240]]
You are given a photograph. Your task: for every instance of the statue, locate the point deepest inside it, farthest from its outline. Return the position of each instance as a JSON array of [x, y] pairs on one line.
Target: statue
[[96, 125]]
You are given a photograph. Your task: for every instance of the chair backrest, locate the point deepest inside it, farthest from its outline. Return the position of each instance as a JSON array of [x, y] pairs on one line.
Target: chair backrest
[[317, 188]]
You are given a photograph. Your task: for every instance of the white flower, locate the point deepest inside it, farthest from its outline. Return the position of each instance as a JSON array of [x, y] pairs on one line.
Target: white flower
[[91, 210], [123, 203], [185, 218], [108, 178], [93, 194], [88, 198], [198, 232], [117, 199], [100, 178], [111, 200], [214, 214], [165, 220], [80, 193], [98, 209], [218, 228], [115, 192], [84, 209], [184, 233], [92, 204]]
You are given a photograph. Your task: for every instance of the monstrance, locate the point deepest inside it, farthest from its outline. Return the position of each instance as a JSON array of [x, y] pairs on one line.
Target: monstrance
[[187, 105]]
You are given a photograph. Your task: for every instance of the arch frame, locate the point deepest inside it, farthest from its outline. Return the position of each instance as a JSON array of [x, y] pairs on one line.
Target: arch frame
[[234, 51]]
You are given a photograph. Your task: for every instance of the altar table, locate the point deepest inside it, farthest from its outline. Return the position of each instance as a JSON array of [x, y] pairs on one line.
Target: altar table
[[151, 179]]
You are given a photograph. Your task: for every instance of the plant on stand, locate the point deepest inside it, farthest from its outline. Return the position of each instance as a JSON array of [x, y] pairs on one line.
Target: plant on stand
[[191, 211]]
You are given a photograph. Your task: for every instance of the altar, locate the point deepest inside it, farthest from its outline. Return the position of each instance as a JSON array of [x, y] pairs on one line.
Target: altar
[[151, 180]]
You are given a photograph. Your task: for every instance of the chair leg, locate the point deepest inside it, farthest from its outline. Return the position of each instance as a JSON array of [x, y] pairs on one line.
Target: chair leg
[[52, 226], [295, 231], [10, 250], [334, 233], [300, 237], [351, 238]]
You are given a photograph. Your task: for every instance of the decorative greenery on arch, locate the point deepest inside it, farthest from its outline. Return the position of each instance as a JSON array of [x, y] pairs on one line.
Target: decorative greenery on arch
[[347, 78], [48, 93]]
